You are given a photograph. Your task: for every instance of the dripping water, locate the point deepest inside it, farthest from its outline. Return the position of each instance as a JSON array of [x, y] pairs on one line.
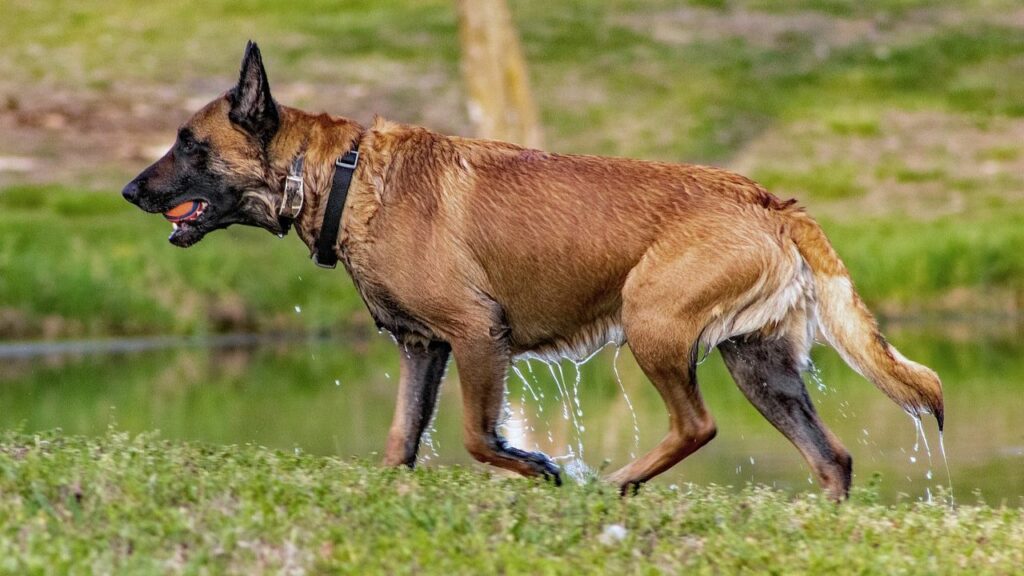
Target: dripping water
[[428, 441], [815, 374], [576, 468], [526, 384], [945, 462], [561, 393], [629, 404]]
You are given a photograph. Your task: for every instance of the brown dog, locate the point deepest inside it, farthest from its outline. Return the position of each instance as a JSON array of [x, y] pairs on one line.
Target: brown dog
[[488, 251]]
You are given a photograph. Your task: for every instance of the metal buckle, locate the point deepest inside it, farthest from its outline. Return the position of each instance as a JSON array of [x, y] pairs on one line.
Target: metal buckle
[[293, 198], [355, 160], [318, 263]]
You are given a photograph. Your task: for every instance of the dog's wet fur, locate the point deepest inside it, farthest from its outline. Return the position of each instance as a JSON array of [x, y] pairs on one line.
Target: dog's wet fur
[[486, 251]]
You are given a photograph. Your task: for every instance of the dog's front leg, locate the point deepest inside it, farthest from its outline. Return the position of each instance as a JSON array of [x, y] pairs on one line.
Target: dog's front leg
[[483, 366], [421, 369]]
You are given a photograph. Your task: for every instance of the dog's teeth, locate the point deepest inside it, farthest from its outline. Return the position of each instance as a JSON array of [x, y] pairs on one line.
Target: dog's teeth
[[175, 226]]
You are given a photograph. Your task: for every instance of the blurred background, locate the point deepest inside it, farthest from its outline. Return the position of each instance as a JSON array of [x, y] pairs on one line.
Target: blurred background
[[898, 123]]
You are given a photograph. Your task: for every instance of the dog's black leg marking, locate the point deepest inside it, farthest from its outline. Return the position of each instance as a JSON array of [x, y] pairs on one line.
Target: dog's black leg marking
[[422, 369], [540, 461], [767, 371]]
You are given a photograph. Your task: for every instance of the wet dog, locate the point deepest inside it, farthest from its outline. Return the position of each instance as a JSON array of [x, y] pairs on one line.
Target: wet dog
[[488, 252]]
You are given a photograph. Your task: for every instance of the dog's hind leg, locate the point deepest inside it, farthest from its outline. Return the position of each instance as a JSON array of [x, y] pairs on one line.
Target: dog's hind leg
[[767, 370], [662, 317], [421, 369]]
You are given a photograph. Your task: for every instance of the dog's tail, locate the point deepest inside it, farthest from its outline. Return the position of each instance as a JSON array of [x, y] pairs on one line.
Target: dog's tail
[[850, 328]]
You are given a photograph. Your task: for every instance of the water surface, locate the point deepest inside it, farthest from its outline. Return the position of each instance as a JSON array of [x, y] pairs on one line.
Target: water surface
[[336, 397]]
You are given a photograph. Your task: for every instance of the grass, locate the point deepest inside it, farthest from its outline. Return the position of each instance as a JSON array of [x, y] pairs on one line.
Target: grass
[[85, 264], [138, 504], [823, 181]]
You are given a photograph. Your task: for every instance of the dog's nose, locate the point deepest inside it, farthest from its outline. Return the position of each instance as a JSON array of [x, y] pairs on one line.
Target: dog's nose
[[131, 191]]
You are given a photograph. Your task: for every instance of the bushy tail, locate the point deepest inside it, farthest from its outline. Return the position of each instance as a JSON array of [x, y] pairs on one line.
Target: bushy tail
[[850, 328]]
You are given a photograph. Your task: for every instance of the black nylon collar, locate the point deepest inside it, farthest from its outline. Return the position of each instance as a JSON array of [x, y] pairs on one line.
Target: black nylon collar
[[325, 256]]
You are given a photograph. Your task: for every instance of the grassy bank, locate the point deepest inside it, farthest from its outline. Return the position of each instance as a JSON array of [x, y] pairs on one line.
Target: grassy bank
[[82, 264], [86, 264], [142, 505]]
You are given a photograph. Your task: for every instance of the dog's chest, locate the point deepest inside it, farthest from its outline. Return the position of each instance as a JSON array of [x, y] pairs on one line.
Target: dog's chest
[[388, 311]]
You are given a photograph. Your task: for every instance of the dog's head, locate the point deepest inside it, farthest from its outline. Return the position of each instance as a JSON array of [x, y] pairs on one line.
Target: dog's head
[[217, 173]]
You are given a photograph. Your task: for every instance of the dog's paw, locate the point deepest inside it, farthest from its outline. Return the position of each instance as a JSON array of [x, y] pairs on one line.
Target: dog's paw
[[630, 488], [546, 468], [538, 462]]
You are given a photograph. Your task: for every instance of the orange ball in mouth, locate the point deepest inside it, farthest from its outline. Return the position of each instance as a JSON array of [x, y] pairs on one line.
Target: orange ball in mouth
[[185, 211]]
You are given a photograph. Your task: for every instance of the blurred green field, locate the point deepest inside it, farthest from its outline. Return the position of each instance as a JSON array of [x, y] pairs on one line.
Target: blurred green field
[[86, 264], [899, 123]]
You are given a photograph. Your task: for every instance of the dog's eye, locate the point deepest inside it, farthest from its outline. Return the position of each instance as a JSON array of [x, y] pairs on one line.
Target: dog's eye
[[187, 145]]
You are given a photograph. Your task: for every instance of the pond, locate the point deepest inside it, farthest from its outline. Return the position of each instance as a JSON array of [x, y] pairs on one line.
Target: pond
[[335, 397]]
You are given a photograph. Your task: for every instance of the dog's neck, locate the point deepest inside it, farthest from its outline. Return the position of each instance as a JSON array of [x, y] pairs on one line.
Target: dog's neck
[[322, 139]]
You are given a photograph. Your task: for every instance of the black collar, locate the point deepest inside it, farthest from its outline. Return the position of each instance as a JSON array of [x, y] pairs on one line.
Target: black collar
[[324, 255]]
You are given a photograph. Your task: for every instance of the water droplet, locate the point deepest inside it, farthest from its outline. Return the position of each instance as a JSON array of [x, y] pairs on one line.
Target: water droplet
[[298, 309], [337, 382], [816, 377]]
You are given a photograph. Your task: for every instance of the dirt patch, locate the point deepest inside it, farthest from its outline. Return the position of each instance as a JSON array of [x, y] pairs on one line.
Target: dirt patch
[[97, 138], [771, 30], [760, 29]]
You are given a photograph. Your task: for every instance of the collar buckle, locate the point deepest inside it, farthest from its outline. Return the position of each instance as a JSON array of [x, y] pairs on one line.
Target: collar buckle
[[327, 265], [349, 160], [294, 191]]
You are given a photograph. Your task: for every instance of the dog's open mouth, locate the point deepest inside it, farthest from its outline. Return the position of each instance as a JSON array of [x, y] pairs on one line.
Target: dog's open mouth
[[185, 212], [183, 219]]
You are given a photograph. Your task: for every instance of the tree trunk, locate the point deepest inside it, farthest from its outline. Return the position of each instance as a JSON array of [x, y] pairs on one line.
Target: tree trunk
[[499, 101]]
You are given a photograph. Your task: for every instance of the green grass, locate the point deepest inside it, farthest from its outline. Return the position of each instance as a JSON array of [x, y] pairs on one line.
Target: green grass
[[87, 264], [138, 504], [906, 261], [829, 182]]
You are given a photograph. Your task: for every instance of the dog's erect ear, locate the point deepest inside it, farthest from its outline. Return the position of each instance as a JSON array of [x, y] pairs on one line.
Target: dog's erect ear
[[252, 107]]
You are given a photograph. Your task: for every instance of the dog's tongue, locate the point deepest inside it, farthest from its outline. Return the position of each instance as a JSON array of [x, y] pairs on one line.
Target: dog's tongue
[[184, 212]]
